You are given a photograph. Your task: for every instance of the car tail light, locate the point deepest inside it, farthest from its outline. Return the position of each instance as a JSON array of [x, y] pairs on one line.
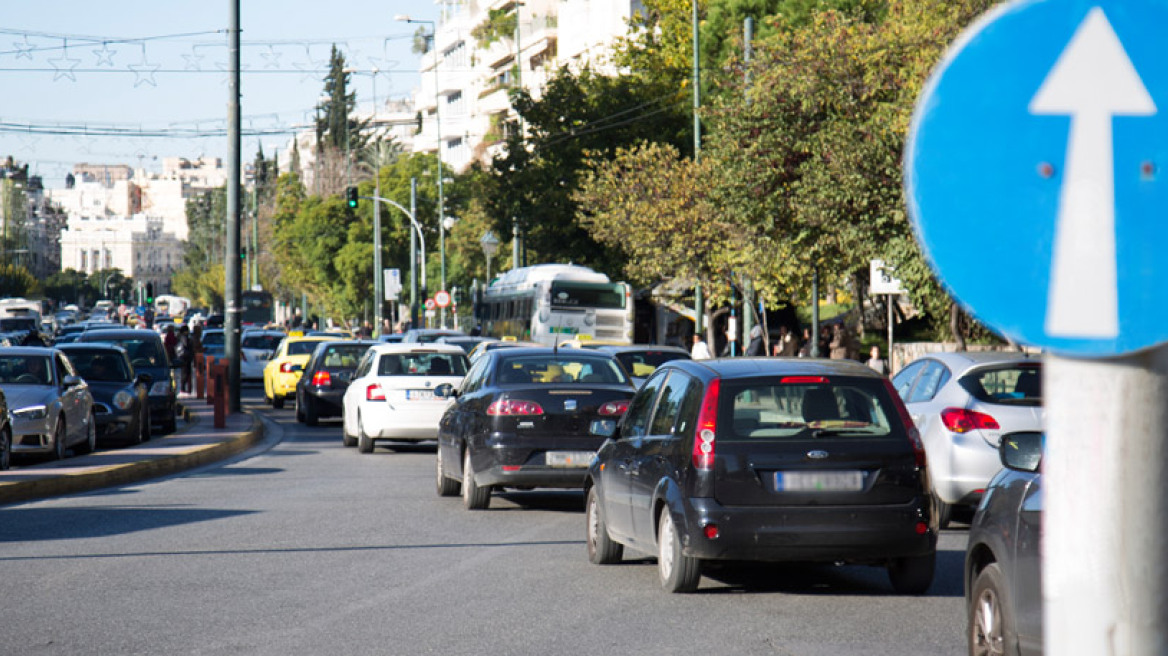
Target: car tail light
[[703, 448], [914, 436], [286, 368], [322, 378], [711, 531], [960, 420], [614, 408], [513, 407], [796, 380], [374, 393]]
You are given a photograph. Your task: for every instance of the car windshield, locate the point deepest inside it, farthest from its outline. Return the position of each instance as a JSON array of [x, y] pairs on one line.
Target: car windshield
[[1012, 384], [265, 342], [421, 364], [213, 338], [559, 369], [341, 357], [100, 366], [643, 363], [142, 352], [25, 370], [805, 407], [17, 324], [302, 347]]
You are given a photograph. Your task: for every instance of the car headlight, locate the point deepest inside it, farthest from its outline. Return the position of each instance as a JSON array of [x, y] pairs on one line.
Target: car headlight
[[123, 400], [31, 412], [161, 388]]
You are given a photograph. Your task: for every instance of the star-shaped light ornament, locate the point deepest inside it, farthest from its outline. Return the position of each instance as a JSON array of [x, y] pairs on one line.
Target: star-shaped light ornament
[[193, 60], [63, 66], [105, 55], [271, 57], [144, 71], [23, 49]]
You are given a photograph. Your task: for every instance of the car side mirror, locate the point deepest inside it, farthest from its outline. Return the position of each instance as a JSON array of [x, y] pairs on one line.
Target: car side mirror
[[445, 391], [71, 381], [145, 379], [1021, 451]]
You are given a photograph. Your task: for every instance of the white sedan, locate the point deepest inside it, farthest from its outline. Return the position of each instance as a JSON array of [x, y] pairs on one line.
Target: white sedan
[[399, 392]]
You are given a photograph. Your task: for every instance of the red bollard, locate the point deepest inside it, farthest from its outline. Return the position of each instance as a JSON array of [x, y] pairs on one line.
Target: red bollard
[[210, 381], [220, 396]]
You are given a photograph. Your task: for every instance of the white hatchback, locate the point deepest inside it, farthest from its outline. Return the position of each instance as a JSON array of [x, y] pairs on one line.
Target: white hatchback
[[399, 392]]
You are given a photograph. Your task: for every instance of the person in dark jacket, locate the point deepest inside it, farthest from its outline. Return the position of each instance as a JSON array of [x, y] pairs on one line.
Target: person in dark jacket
[[755, 346]]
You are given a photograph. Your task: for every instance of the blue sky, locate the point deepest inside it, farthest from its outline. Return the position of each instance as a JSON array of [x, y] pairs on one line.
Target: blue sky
[[156, 66]]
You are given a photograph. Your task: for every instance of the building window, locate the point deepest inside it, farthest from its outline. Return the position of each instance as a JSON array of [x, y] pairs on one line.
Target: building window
[[84, 260]]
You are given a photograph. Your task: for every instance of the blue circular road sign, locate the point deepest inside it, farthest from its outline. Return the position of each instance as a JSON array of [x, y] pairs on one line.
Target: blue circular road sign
[[1033, 173]]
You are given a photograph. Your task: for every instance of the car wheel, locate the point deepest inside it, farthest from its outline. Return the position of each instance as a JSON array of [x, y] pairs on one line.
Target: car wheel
[[364, 442], [59, 439], [311, 417], [299, 409], [677, 571], [914, 574], [90, 443], [989, 625], [447, 487], [602, 550], [346, 438], [277, 401], [5, 449], [171, 424], [944, 511], [473, 496]]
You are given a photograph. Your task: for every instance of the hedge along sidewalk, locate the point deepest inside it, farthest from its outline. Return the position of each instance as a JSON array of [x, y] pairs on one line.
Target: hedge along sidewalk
[[195, 445]]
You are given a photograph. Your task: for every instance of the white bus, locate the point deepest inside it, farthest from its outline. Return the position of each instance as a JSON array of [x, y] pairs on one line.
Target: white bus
[[19, 315], [547, 303]]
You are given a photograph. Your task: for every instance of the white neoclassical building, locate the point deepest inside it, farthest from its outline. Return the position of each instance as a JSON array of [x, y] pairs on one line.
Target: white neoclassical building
[[138, 245]]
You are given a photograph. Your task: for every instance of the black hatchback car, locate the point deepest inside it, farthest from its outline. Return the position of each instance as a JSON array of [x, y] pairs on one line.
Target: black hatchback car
[[326, 377], [147, 356], [120, 400], [764, 459], [528, 417]]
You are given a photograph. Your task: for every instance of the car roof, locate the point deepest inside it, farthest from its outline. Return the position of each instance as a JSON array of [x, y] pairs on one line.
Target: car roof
[[962, 360], [638, 348], [729, 368], [27, 350], [311, 338], [98, 335], [91, 346], [548, 350], [410, 347]]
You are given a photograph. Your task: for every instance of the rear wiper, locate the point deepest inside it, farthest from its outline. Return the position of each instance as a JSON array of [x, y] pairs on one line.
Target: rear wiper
[[833, 432]]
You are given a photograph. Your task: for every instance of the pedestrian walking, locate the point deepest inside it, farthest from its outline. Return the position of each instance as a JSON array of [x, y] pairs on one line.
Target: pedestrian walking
[[877, 363], [184, 353], [169, 340], [700, 350], [805, 347], [755, 346], [839, 343]]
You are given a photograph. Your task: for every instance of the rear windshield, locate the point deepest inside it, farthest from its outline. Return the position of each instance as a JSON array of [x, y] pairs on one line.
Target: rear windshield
[[805, 407], [1013, 384], [557, 369], [643, 363], [21, 323], [142, 352], [342, 357], [422, 364], [302, 348], [265, 342], [100, 366], [213, 338]]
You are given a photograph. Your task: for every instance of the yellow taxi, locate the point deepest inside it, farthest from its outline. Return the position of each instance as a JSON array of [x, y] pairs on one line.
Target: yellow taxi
[[283, 371]]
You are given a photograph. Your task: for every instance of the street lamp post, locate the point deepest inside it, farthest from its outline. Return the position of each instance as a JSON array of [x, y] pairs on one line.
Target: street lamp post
[[417, 229], [490, 244]]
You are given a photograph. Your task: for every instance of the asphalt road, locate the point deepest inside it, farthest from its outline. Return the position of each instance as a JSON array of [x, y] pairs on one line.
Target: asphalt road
[[306, 547]]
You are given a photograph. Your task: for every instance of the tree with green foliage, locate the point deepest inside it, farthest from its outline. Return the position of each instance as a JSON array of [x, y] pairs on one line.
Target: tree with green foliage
[[16, 280]]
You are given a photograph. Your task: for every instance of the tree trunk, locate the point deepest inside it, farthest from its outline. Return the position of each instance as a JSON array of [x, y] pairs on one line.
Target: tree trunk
[[955, 326]]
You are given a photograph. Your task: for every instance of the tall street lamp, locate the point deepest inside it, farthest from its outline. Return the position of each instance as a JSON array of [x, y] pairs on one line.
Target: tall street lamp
[[438, 134], [490, 244]]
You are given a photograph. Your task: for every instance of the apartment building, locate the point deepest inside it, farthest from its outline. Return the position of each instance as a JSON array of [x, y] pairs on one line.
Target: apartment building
[[137, 245]]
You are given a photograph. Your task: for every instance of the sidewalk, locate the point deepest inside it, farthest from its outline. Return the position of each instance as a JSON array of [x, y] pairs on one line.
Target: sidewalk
[[195, 443]]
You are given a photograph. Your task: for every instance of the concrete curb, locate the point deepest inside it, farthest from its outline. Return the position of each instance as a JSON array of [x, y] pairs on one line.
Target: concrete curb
[[93, 478]]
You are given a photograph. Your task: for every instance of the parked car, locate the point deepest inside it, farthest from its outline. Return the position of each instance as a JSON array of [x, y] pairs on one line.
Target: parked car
[[214, 342], [283, 371], [963, 403], [325, 378], [121, 399], [398, 393], [427, 335], [147, 356], [764, 459], [641, 360], [528, 417], [255, 349], [50, 405], [1003, 582]]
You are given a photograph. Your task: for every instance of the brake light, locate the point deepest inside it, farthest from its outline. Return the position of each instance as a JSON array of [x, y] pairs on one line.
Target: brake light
[[374, 393], [796, 380], [703, 448], [514, 407], [614, 408], [286, 368], [914, 436], [322, 378], [960, 420]]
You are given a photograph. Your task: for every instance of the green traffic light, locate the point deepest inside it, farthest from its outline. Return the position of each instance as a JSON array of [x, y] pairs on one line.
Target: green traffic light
[[351, 195]]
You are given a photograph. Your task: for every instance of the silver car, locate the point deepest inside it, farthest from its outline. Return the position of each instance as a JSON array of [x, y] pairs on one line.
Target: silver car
[[962, 404], [256, 348], [50, 404]]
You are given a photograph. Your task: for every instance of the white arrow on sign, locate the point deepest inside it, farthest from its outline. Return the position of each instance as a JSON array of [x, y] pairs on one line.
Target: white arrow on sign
[[1092, 81]]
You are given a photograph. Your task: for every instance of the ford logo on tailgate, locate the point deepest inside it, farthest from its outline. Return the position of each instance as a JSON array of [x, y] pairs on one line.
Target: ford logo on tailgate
[[817, 454]]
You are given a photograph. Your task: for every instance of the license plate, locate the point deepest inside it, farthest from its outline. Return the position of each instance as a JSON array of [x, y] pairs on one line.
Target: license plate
[[419, 395], [602, 427], [569, 458], [819, 481]]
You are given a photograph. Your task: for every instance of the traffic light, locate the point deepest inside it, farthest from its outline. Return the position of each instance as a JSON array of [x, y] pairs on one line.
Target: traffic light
[[149, 293], [351, 195]]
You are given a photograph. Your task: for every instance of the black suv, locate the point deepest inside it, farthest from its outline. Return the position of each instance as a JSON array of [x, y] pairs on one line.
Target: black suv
[[324, 380], [764, 459]]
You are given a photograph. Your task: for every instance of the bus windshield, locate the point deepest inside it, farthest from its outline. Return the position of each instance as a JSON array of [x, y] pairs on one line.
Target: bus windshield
[[601, 295]]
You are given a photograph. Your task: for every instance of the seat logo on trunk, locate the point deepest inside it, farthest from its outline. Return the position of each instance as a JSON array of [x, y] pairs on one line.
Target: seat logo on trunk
[[817, 454]]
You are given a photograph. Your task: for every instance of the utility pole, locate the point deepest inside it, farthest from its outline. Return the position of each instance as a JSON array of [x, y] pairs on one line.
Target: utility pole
[[378, 277], [232, 294], [747, 283], [699, 306], [413, 256]]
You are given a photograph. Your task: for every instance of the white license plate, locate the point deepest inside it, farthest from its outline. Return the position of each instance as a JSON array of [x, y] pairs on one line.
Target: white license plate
[[819, 481], [569, 458], [420, 395]]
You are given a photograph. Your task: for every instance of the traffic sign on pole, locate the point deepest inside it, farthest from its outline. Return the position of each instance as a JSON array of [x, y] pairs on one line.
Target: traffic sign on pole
[[1032, 180], [442, 298], [430, 304]]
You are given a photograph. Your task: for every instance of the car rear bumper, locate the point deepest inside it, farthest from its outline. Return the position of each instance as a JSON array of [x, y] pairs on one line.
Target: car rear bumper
[[972, 463], [382, 421], [327, 402], [784, 533], [532, 476]]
